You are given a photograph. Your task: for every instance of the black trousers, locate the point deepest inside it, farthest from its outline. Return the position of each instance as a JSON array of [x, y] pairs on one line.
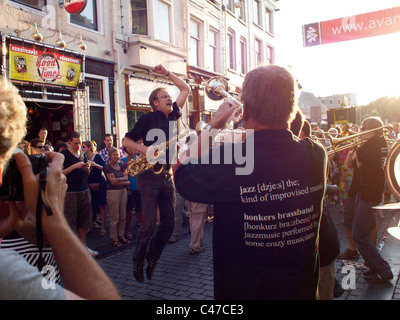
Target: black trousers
[[156, 191]]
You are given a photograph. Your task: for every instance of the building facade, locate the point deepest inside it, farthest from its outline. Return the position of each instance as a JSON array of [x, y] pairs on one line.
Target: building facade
[[110, 49]]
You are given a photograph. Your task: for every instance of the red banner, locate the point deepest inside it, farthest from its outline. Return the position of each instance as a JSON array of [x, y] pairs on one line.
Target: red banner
[[354, 27]]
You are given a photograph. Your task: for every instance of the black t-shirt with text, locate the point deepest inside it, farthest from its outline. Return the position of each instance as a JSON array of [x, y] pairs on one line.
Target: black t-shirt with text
[[266, 225]]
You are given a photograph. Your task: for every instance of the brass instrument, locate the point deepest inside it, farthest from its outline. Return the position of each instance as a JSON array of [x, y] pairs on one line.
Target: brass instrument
[[337, 142], [216, 89], [140, 164]]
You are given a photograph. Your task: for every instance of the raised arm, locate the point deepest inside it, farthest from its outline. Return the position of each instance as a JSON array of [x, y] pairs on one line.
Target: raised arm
[[180, 83]]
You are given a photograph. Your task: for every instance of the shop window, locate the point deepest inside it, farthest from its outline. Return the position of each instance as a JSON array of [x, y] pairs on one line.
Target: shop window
[[88, 17]]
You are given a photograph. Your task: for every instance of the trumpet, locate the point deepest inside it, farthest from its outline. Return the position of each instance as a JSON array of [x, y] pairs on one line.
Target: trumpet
[[216, 89]]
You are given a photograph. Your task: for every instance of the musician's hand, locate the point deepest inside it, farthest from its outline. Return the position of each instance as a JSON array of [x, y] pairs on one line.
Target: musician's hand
[[160, 69], [224, 114], [151, 154]]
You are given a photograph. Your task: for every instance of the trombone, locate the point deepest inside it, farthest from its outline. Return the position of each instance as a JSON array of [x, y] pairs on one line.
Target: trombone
[[337, 142]]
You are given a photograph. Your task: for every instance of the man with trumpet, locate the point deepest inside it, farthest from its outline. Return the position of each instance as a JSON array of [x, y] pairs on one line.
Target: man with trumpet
[[157, 190], [266, 221]]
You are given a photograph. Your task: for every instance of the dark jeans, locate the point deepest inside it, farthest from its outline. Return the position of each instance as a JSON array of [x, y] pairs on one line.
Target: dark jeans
[[155, 190], [364, 219]]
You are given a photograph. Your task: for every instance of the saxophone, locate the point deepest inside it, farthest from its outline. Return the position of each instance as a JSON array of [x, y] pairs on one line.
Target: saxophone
[[140, 164]]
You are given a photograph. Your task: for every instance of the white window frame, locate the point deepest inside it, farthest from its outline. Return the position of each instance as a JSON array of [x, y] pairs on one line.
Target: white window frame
[[198, 41], [258, 52], [214, 49], [243, 55], [106, 98], [270, 54], [269, 20], [231, 49], [257, 13], [158, 24], [100, 20]]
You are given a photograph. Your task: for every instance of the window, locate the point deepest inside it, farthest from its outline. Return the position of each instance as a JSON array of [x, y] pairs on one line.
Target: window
[[133, 116], [231, 49], [194, 45], [37, 4], [139, 16], [88, 17], [242, 12], [231, 5], [95, 90], [162, 21], [270, 54], [213, 50], [258, 52], [257, 12], [269, 21], [243, 55]]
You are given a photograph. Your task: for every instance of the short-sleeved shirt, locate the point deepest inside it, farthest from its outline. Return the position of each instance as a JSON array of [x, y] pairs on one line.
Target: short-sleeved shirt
[[117, 173], [77, 178], [167, 129], [21, 281]]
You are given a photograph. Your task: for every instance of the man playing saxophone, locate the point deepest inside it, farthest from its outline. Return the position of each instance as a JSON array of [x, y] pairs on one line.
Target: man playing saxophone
[[156, 190]]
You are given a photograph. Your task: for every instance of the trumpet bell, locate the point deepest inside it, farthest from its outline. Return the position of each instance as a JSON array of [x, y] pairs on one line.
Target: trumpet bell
[[215, 86]]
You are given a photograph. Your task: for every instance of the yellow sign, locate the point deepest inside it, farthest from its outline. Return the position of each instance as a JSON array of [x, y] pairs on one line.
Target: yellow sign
[[44, 67]]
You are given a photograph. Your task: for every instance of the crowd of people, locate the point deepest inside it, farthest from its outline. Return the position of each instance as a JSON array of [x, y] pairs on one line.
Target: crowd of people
[[272, 238]]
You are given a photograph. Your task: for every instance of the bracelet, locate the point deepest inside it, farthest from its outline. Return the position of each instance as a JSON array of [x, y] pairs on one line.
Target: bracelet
[[208, 127], [167, 74]]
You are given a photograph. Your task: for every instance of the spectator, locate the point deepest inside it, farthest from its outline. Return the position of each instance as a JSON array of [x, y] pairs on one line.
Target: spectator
[[117, 181], [18, 279], [42, 135], [37, 146], [133, 202], [97, 182], [77, 199], [108, 142], [60, 146]]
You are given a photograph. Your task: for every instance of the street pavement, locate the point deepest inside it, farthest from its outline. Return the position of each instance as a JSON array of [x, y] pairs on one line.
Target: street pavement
[[180, 275]]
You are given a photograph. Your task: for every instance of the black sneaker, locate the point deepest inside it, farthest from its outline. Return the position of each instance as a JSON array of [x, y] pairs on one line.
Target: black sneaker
[[150, 268], [379, 277], [138, 272]]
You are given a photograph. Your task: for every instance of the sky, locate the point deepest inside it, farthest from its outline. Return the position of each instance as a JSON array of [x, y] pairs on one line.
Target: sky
[[369, 67]]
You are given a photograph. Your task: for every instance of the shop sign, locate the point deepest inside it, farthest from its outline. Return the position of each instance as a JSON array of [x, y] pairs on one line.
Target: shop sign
[[43, 67]]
